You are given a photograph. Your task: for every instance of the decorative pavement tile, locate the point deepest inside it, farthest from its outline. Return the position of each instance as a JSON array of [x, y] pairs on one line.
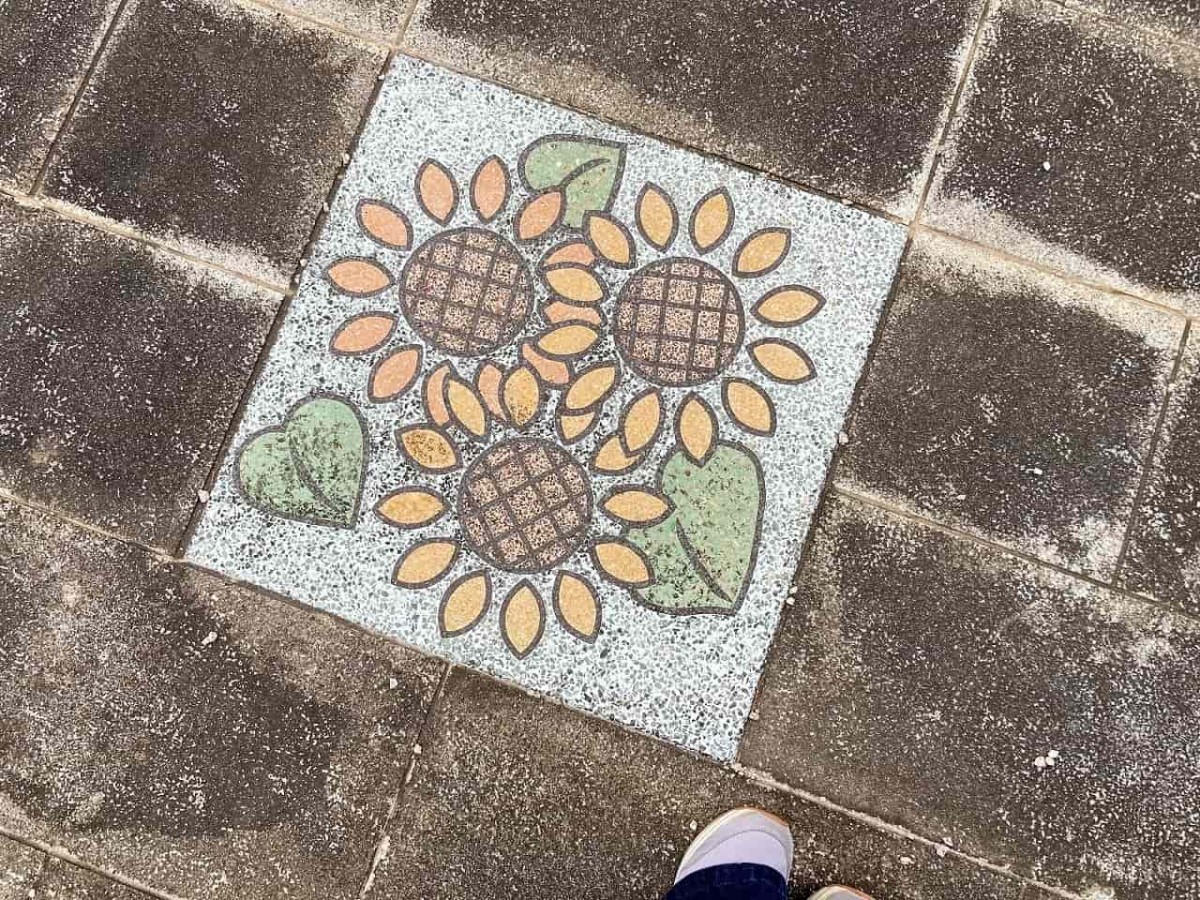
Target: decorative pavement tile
[[1033, 720], [1025, 416], [1032, 165], [45, 48], [19, 867], [555, 401], [243, 117], [576, 807], [1164, 549], [847, 97], [195, 737], [123, 367]]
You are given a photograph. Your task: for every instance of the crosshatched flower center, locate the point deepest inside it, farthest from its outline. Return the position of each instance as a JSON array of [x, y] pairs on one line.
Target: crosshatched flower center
[[679, 322], [525, 505], [467, 291]]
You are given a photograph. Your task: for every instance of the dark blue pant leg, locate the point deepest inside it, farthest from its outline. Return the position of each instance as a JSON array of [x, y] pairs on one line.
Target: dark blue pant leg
[[742, 881]]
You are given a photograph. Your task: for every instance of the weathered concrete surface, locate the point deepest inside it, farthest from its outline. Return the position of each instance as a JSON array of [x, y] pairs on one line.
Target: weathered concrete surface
[[123, 366], [45, 49], [1164, 549], [512, 793], [928, 680], [846, 97], [63, 881], [377, 19], [195, 737], [1074, 148], [19, 867], [217, 126], [1012, 404], [1179, 19]]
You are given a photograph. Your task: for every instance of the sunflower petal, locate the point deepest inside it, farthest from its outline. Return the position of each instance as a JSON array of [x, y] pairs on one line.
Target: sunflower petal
[[363, 334], [576, 252], [566, 341], [556, 312], [437, 191], [577, 606], [622, 563], [428, 448], [358, 276], [656, 217], [522, 395], [696, 428], [610, 239], [641, 421], [466, 407], [522, 619], [384, 224], [394, 374], [749, 406], [489, 188], [573, 427], [788, 305], [553, 372], [762, 252], [590, 387], [411, 507], [539, 214], [611, 458], [637, 506], [465, 603], [782, 360], [712, 220], [425, 562], [488, 379], [575, 283], [435, 395]]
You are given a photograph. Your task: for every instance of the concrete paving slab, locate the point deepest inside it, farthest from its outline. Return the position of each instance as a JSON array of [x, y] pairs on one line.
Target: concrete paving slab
[[243, 116], [846, 97], [514, 794], [63, 881], [1031, 719], [195, 737], [19, 867], [123, 369], [1012, 404], [601, 499], [1169, 17], [1074, 140], [46, 47], [376, 19]]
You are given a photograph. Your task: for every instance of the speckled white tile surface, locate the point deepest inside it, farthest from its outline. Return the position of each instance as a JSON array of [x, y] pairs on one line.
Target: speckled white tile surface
[[687, 677]]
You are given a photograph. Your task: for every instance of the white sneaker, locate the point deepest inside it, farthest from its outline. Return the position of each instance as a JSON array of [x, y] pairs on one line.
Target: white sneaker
[[838, 892], [740, 836]]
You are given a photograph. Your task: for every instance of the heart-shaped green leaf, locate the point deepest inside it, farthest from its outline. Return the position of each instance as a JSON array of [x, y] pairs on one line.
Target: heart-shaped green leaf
[[703, 553], [587, 171], [310, 468]]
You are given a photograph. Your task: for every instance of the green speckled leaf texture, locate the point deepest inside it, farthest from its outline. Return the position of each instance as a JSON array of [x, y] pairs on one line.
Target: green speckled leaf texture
[[588, 172]]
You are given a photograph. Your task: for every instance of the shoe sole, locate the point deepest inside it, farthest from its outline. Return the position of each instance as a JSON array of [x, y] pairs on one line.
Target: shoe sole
[[725, 819], [832, 891]]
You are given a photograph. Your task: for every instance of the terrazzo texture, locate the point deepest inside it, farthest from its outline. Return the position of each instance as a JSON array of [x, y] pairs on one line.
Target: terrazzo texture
[[677, 656]]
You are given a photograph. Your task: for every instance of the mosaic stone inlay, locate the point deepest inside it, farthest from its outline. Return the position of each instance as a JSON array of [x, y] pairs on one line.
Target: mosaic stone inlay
[[555, 401]]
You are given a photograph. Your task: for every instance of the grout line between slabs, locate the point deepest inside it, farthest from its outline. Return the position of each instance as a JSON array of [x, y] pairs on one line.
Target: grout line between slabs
[[398, 38]]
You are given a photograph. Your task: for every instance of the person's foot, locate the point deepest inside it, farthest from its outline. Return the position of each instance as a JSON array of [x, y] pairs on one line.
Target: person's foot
[[838, 892], [740, 836]]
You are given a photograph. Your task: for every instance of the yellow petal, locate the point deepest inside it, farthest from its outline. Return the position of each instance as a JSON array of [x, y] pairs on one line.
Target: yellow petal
[[567, 340], [394, 374], [437, 191], [762, 252], [522, 619], [359, 277], [696, 428], [656, 217], [622, 563], [362, 334], [610, 239], [466, 407], [554, 372], [788, 305], [385, 224], [539, 214], [556, 312], [749, 406], [464, 603], [489, 188], [612, 459], [641, 421], [576, 606], [575, 283], [429, 449], [572, 427], [425, 563], [590, 387], [411, 507], [522, 395], [637, 506], [488, 379], [571, 252], [435, 395], [782, 360], [712, 220]]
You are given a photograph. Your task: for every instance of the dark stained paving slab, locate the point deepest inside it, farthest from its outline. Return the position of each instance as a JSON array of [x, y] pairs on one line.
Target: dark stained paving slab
[[847, 97], [62, 881], [19, 867], [1164, 551], [932, 682], [514, 796], [1076, 147], [376, 19], [242, 119], [45, 49], [192, 736], [123, 368], [1012, 404]]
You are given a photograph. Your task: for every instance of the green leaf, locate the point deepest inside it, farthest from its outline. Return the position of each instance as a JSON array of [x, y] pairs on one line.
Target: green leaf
[[587, 171], [312, 467], [703, 554]]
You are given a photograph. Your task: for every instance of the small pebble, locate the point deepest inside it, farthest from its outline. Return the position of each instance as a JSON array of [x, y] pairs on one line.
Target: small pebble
[[907, 860], [203, 496], [693, 825], [208, 639], [1046, 165]]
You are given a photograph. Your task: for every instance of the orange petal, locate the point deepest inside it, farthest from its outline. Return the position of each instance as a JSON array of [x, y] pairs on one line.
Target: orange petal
[[576, 606], [464, 603], [466, 407], [522, 396], [575, 283], [636, 506], [782, 360], [394, 374], [576, 252], [437, 192], [657, 219], [590, 387], [565, 341], [411, 507], [641, 421], [622, 562], [359, 276], [428, 448], [522, 619], [553, 372], [385, 224], [788, 305], [696, 428], [435, 395], [712, 220], [556, 311], [610, 239], [612, 459], [762, 252], [487, 381], [573, 427], [540, 214], [362, 334], [425, 563], [489, 188], [749, 406]]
